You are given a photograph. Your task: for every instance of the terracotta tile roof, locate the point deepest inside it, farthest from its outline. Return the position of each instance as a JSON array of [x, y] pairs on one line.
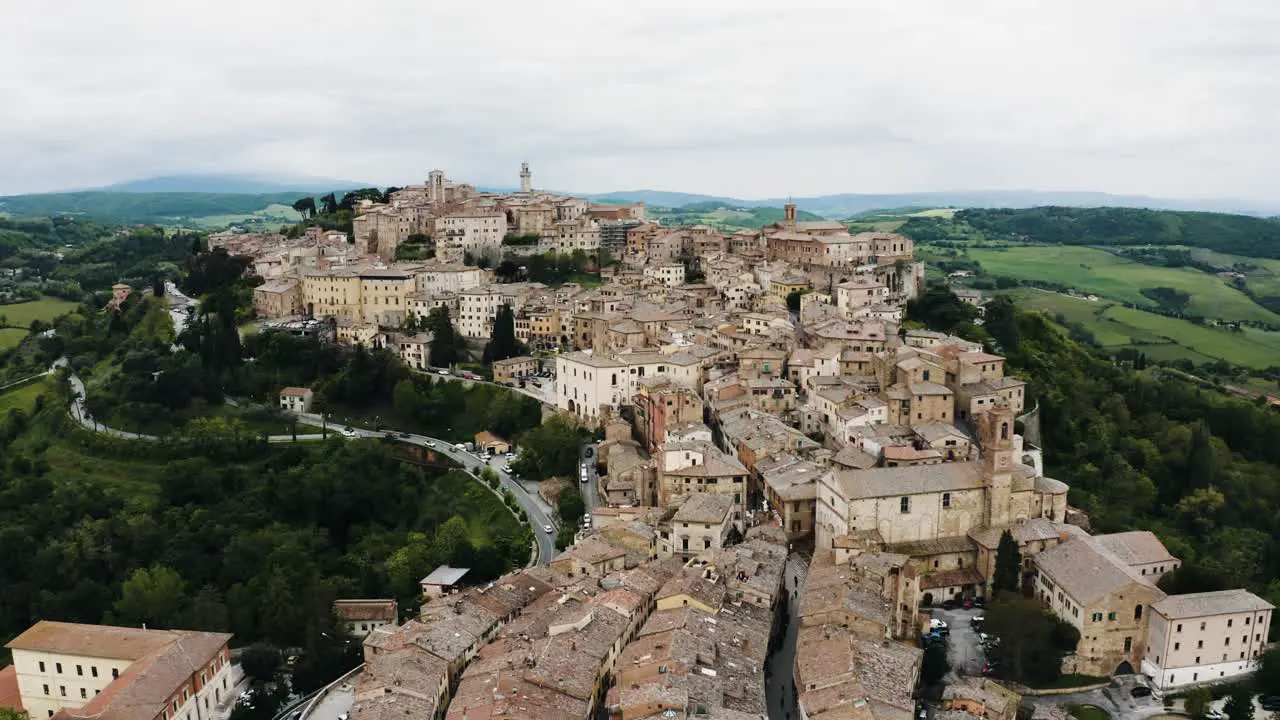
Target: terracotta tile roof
[[950, 578], [1087, 571], [384, 610], [144, 688], [101, 641], [10, 695], [1210, 603], [704, 508], [1139, 547]]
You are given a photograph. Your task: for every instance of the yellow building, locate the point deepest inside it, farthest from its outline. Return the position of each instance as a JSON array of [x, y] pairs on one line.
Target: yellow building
[[371, 296], [66, 670]]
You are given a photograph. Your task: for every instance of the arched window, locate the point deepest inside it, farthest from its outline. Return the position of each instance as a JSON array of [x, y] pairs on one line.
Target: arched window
[[1004, 431], [615, 378]]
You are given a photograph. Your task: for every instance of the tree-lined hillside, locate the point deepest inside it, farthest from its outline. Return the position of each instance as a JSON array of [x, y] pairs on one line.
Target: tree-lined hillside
[[1144, 449], [1235, 234]]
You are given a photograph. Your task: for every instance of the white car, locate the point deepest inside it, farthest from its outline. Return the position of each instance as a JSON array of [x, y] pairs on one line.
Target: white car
[[349, 432], [506, 468], [442, 371], [430, 443], [936, 624], [510, 455], [548, 529]]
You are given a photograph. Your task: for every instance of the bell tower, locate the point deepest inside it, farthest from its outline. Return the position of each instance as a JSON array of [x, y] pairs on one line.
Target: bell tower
[[995, 434], [526, 178]]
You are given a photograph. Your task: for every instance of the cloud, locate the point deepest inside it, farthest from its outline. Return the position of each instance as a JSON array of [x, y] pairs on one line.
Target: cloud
[[1162, 97]]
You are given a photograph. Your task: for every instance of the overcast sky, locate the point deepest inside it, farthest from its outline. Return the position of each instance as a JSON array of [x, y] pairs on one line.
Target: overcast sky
[[1172, 98]]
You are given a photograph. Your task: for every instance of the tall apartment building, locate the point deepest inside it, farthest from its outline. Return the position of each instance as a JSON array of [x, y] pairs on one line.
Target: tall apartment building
[[101, 672]]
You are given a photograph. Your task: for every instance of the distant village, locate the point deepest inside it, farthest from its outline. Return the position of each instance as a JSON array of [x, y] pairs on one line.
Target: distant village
[[778, 451]]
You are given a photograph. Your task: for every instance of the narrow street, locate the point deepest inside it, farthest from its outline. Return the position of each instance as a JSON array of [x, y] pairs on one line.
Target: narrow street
[[779, 689]]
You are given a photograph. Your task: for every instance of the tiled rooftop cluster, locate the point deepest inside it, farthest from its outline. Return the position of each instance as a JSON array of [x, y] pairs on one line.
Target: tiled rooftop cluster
[[703, 652]]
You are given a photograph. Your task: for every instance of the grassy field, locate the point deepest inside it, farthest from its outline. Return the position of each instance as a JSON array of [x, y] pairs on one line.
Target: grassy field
[[272, 216], [1102, 273], [45, 309], [947, 213], [11, 338], [1163, 338], [24, 397]]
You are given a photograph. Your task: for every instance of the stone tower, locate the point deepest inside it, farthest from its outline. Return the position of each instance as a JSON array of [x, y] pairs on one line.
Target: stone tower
[[790, 217], [526, 178], [995, 434], [435, 186]]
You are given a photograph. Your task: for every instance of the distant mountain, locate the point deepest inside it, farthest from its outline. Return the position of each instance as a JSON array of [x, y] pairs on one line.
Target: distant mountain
[[662, 198], [231, 185], [850, 204]]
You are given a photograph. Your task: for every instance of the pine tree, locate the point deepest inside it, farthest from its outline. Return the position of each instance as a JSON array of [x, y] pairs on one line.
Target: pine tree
[[1008, 573], [444, 340], [502, 341]]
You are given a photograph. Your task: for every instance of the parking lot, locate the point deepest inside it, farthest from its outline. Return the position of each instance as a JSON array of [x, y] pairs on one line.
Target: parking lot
[[963, 648]]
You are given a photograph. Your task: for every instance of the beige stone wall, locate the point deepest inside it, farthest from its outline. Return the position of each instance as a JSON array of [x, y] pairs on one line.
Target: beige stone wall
[[926, 518]]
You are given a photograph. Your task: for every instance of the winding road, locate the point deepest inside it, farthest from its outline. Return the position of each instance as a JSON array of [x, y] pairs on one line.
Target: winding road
[[539, 517], [180, 305]]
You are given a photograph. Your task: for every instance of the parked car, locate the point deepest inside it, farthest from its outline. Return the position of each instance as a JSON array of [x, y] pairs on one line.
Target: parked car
[[442, 371], [936, 624], [1140, 691], [349, 432], [510, 455], [431, 443], [932, 638], [506, 468], [403, 435], [1270, 703], [977, 621]]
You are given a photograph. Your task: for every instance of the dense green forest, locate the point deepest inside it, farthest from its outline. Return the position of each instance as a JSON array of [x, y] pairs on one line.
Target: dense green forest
[[118, 208], [67, 257], [1235, 234], [1142, 449], [237, 536]]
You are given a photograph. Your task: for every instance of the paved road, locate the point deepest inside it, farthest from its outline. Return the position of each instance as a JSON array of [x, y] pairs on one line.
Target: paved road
[[591, 488], [779, 688], [81, 415], [537, 513]]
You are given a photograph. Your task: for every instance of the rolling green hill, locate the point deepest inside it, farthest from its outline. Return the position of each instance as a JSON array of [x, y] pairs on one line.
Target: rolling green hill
[[1236, 234], [723, 217], [120, 208]]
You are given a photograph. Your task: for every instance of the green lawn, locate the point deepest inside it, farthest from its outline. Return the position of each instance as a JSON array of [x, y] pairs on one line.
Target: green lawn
[[11, 338], [1099, 272], [1163, 338], [45, 309]]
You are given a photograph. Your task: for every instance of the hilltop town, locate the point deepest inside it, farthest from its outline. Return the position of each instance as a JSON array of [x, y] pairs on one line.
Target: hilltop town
[[794, 497]]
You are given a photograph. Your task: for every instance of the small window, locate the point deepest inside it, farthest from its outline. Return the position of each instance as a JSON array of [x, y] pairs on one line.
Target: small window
[[904, 505], [946, 500]]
